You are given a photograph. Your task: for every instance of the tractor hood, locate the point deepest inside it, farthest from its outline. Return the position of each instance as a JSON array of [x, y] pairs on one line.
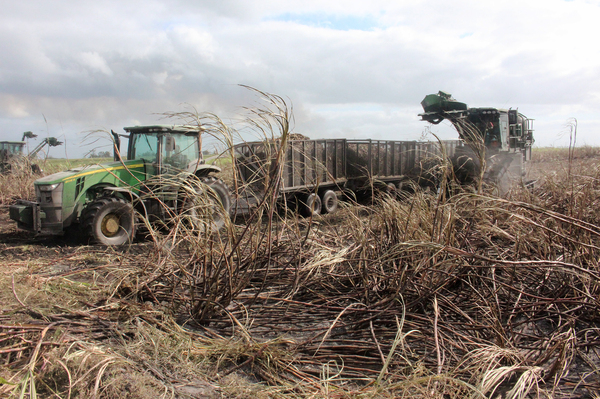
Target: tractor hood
[[98, 172]]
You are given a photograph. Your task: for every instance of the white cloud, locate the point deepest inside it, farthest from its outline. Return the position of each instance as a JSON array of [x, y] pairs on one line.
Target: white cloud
[[160, 78], [193, 42], [13, 106], [349, 68], [95, 62]]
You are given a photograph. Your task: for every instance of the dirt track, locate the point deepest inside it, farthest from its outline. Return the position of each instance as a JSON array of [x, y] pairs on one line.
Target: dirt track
[[18, 246]]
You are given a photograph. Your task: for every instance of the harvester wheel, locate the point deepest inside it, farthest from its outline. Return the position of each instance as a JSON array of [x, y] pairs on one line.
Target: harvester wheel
[[330, 201], [503, 170], [311, 206], [109, 221], [210, 207]]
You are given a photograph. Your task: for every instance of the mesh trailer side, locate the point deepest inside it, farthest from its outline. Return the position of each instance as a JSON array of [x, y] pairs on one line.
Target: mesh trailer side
[[327, 162], [313, 163], [387, 159], [307, 164]]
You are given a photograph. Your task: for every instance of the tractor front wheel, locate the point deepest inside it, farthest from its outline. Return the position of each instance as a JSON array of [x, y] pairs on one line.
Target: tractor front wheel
[[109, 221]]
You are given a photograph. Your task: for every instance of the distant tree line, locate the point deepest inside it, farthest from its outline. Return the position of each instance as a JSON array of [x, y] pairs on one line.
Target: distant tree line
[[101, 154]]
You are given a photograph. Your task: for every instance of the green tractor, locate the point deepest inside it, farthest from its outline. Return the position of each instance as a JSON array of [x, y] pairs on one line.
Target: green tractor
[[163, 177]]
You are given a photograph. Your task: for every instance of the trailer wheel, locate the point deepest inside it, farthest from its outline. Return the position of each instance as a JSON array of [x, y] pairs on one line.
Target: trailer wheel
[[211, 216], [391, 190], [330, 201], [109, 221], [311, 206], [349, 195]]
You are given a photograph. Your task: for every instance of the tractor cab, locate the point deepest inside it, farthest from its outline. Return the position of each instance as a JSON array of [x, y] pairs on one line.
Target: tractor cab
[[168, 148]]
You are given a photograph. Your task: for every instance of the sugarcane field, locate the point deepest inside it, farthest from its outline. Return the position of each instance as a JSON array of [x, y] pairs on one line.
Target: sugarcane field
[[291, 266]]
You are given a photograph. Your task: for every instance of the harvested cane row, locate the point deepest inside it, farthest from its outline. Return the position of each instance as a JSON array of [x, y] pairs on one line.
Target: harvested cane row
[[476, 287], [427, 295]]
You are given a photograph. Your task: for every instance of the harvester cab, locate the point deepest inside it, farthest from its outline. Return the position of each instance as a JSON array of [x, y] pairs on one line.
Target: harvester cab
[[9, 150], [12, 152]]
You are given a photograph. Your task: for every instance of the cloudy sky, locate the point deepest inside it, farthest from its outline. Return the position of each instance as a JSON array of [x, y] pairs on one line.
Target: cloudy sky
[[355, 69]]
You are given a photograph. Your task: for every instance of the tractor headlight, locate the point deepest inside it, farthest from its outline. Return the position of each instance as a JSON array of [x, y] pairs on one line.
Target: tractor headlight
[[49, 193], [48, 187]]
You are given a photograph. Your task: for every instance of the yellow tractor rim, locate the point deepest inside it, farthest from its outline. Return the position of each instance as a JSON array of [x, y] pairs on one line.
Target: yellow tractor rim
[[110, 225]]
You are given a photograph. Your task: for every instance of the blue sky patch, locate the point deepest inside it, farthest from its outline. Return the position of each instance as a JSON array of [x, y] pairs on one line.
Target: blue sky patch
[[330, 21]]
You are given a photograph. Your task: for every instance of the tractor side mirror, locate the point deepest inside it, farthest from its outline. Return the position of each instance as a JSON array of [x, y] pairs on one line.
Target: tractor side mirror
[[116, 145], [513, 116]]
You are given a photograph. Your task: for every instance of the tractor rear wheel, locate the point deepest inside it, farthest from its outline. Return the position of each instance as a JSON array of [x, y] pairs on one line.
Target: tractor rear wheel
[[109, 221], [208, 208]]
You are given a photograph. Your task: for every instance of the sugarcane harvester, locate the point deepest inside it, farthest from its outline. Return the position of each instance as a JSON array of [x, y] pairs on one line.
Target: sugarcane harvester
[[11, 152], [498, 141]]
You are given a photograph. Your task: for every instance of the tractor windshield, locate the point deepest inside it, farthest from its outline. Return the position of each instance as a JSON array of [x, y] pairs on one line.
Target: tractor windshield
[[182, 151], [12, 148], [145, 146], [17, 148], [177, 150]]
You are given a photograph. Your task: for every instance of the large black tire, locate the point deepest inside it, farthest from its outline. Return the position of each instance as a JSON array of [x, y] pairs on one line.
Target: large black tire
[[330, 201], [109, 221], [195, 209], [219, 193], [311, 205]]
